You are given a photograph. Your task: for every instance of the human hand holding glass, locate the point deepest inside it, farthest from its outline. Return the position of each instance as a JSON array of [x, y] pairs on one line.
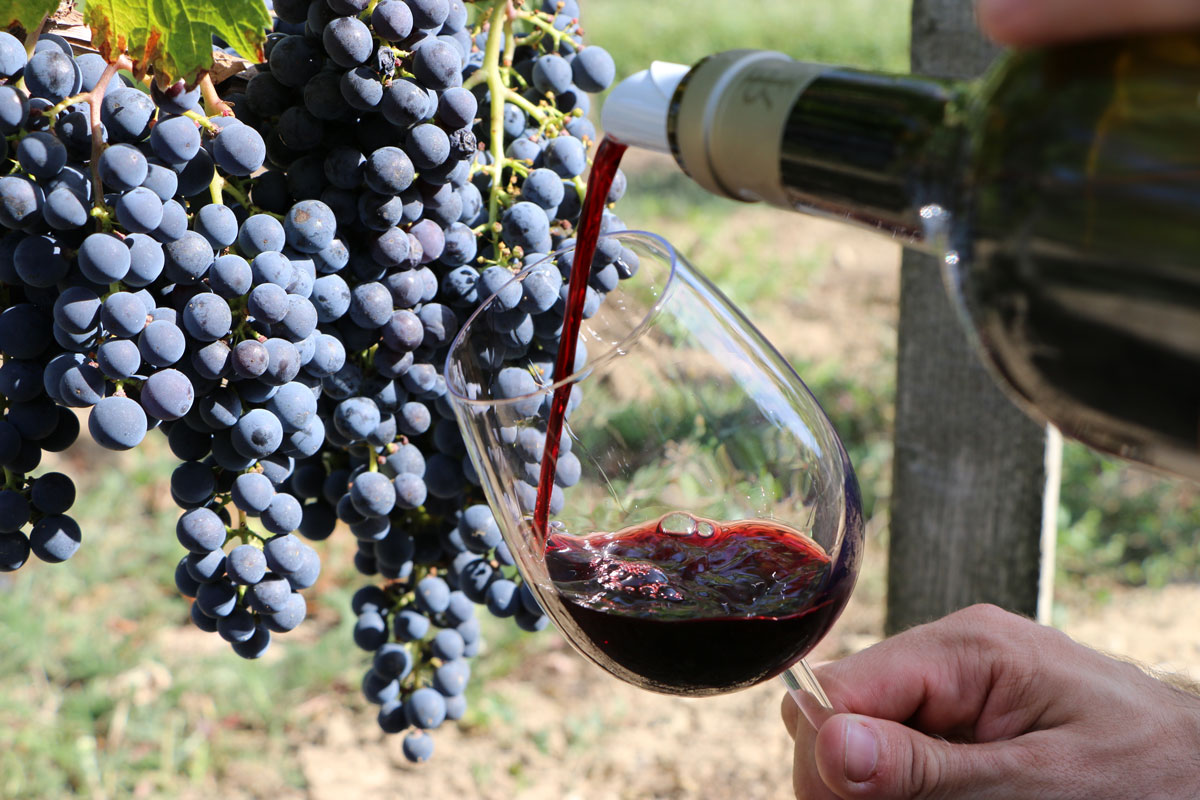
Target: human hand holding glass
[[984, 704]]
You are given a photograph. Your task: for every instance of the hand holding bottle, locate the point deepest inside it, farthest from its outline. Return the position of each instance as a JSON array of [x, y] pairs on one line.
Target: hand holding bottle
[[1025, 23], [986, 704]]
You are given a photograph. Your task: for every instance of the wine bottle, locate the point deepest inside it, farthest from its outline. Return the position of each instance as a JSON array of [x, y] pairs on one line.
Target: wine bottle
[[1061, 191]]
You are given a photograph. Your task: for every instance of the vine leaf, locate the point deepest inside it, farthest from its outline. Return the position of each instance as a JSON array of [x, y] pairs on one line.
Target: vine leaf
[[26, 13], [174, 37]]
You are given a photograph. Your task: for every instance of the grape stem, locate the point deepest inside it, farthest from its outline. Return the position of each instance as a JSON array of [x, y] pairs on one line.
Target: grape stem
[[31, 40], [215, 188], [510, 41], [213, 104], [221, 186], [512, 97], [547, 28], [474, 79], [54, 111], [495, 81], [97, 143], [519, 167], [201, 120], [243, 331], [240, 195], [242, 530]]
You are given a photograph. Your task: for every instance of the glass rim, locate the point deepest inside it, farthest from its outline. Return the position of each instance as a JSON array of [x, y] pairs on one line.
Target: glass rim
[[610, 353]]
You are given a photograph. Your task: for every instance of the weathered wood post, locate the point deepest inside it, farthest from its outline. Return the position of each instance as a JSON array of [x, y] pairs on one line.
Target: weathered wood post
[[970, 475]]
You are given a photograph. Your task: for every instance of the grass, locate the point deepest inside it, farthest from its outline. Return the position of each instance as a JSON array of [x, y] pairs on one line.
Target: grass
[[1125, 524], [736, 244], [861, 33]]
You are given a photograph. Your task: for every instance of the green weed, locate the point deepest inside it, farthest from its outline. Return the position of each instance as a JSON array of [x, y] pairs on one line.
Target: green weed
[[861, 33]]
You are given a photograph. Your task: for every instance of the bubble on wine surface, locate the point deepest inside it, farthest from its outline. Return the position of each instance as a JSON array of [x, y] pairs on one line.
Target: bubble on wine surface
[[679, 524], [936, 221], [631, 578]]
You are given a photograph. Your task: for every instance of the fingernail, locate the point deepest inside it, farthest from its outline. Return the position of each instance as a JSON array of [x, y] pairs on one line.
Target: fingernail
[[862, 752]]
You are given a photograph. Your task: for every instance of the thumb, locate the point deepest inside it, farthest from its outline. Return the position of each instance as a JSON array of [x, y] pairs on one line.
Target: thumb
[[1033, 22], [863, 757]]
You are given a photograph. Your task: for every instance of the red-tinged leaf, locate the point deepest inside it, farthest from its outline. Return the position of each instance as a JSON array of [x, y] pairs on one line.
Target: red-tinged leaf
[[174, 37], [26, 13]]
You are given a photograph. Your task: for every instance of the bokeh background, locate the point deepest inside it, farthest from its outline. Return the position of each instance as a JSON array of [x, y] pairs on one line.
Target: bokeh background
[[106, 691]]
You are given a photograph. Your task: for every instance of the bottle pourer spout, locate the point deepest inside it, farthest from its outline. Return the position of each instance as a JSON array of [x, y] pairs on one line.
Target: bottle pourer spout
[[635, 112]]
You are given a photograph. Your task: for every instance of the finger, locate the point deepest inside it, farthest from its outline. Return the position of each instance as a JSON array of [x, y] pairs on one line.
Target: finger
[[1035, 22], [936, 666], [941, 677], [790, 713], [861, 757], [806, 779]]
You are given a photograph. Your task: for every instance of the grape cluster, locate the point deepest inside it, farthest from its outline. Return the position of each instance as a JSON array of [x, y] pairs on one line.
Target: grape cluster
[[274, 283]]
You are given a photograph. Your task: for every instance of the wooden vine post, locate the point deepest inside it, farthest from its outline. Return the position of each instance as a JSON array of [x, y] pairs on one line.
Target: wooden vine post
[[971, 489]]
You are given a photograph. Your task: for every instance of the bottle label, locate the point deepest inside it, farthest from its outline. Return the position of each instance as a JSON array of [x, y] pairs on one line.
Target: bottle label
[[748, 120]]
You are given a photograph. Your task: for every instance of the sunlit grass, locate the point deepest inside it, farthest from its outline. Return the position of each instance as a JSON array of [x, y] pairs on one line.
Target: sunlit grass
[[860, 33]]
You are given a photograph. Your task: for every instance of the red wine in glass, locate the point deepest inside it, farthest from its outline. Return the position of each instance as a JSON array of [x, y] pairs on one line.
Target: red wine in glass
[[692, 606]]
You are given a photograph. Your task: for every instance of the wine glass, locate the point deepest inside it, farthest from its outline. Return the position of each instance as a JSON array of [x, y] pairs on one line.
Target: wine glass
[[704, 524]]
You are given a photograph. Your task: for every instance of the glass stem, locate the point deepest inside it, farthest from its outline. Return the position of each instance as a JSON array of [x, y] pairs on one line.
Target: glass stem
[[806, 690]]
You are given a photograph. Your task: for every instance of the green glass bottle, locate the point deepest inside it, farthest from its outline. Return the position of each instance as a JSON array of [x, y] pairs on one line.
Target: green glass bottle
[[1062, 191]]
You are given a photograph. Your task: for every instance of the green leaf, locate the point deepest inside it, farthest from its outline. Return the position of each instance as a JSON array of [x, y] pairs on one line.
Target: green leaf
[[26, 13], [174, 37]]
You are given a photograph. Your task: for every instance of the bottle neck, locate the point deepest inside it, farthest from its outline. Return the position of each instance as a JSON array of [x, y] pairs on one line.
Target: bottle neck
[[882, 151]]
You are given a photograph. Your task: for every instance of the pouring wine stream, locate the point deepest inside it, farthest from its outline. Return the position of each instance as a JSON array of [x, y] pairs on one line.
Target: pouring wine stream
[[604, 170]]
